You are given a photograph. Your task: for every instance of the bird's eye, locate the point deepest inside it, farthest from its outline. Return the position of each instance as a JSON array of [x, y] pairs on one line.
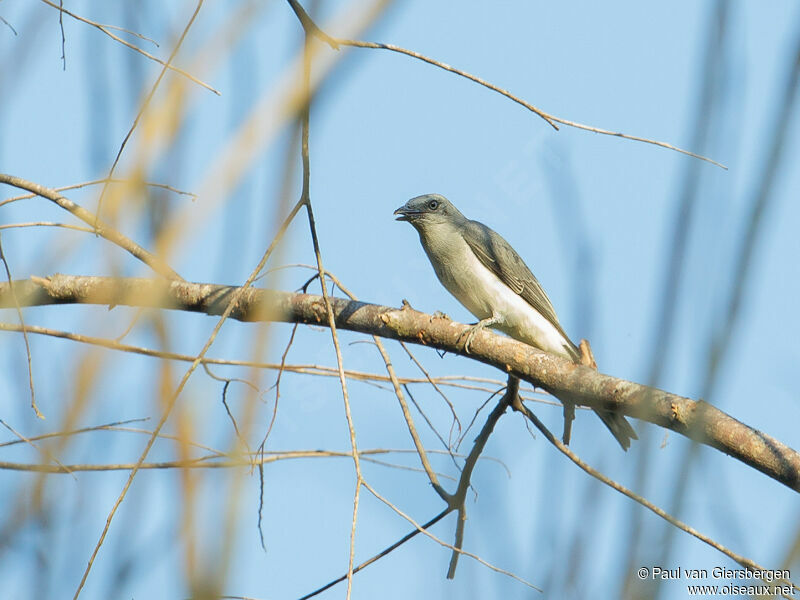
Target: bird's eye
[[433, 205]]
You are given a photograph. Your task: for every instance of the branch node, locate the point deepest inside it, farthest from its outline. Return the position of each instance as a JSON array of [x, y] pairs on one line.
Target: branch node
[[310, 28]]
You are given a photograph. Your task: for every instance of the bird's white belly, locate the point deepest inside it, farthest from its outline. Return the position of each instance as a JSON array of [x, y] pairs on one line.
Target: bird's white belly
[[485, 295]]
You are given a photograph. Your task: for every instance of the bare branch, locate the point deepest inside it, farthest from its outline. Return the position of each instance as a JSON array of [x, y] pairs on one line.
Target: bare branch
[[145, 105], [24, 332], [694, 419], [459, 498], [456, 381], [738, 558], [311, 28], [105, 29], [101, 228], [76, 186], [380, 554]]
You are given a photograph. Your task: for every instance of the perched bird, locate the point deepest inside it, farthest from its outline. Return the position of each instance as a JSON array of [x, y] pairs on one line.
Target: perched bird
[[488, 277]]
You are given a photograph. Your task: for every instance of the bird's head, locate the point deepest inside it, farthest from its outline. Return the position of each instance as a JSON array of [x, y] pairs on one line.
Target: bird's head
[[428, 209]]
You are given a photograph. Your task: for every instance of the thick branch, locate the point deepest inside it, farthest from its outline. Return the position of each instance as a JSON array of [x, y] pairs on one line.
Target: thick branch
[[694, 419]]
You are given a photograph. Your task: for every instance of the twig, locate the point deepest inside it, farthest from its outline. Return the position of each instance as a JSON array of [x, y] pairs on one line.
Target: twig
[[226, 385], [281, 369], [76, 186], [46, 224], [310, 28], [380, 554], [456, 420], [104, 29], [401, 399], [760, 202], [231, 304], [313, 29], [458, 499], [475, 416], [72, 432], [305, 198], [445, 544], [741, 560], [145, 104], [30, 442], [24, 331], [215, 460], [102, 229], [431, 426], [410, 424], [63, 38], [11, 27], [304, 369]]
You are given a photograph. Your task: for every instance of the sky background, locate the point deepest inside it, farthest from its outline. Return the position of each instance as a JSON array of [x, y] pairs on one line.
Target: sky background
[[592, 215]]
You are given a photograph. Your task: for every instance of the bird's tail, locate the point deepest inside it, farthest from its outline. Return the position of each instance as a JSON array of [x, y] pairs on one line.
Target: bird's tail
[[616, 423], [619, 426]]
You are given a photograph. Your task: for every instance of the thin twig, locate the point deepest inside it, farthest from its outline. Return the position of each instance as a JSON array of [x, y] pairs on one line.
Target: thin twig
[[72, 432], [281, 369], [30, 442], [741, 560], [11, 27], [475, 416], [456, 420], [215, 460], [226, 385], [171, 403], [234, 299], [401, 399], [445, 544], [63, 38], [146, 104], [459, 498], [101, 228], [431, 426], [303, 369], [410, 423], [46, 224], [105, 30], [24, 331], [306, 200], [76, 186], [312, 29], [380, 554]]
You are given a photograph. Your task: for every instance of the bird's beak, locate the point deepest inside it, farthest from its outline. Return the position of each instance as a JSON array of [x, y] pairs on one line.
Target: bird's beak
[[406, 214]]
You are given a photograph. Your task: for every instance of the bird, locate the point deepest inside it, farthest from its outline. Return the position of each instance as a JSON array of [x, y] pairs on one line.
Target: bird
[[487, 276]]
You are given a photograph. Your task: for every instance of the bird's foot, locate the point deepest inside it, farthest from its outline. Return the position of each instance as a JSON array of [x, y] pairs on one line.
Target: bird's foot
[[476, 327], [470, 333]]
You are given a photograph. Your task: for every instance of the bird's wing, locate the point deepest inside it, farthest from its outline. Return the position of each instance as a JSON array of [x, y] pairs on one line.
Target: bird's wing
[[498, 256]]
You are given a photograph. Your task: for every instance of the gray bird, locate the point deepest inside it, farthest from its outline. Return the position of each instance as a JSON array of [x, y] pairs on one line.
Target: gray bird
[[488, 277]]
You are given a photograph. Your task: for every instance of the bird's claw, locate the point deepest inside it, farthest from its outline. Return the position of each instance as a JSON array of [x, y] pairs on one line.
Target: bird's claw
[[470, 333]]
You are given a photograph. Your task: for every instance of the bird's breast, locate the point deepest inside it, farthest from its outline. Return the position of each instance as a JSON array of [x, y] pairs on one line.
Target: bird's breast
[[485, 295], [461, 273]]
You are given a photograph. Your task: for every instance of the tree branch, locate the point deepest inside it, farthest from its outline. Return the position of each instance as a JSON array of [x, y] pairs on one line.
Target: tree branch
[[696, 420], [312, 29], [99, 227]]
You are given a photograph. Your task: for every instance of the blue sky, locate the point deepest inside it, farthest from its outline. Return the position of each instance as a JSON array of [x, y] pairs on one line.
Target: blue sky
[[383, 129]]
